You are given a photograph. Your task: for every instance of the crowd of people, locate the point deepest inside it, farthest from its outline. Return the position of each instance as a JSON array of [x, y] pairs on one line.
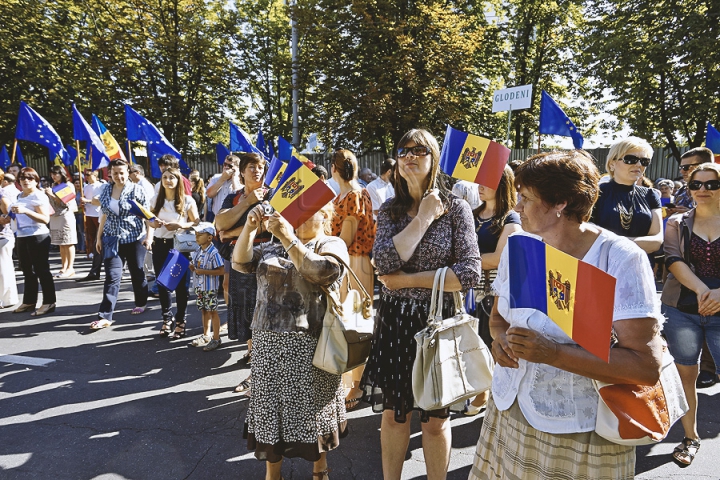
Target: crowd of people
[[394, 231]]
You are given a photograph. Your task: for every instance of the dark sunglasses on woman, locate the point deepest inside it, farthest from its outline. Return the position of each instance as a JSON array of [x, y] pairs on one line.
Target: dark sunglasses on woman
[[417, 150], [709, 185], [633, 160]]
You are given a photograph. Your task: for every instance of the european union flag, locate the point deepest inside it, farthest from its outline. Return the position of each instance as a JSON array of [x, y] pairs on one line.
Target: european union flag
[[240, 141], [34, 128], [173, 271], [19, 156], [712, 139], [285, 150], [141, 129], [221, 152], [263, 146], [95, 146], [553, 121], [5, 161]]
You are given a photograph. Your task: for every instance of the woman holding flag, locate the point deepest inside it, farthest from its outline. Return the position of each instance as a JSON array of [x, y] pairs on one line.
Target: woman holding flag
[[423, 228], [541, 416], [63, 231]]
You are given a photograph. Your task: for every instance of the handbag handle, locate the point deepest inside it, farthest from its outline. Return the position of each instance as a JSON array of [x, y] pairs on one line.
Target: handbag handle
[[367, 299], [436, 299]]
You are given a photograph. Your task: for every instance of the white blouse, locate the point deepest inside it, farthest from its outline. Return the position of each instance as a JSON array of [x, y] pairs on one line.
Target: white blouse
[[554, 400], [169, 214]]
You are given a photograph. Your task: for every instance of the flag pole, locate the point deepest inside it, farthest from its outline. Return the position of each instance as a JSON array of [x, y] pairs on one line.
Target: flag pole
[[538, 151], [12, 162], [82, 176], [129, 153]]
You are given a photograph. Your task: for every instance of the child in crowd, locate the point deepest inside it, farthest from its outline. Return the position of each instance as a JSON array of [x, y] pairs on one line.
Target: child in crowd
[[207, 265]]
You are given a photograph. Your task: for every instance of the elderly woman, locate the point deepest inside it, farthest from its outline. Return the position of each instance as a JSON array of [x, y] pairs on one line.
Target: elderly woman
[[691, 294], [541, 415], [625, 208], [32, 214], [63, 230], [295, 409], [423, 228]]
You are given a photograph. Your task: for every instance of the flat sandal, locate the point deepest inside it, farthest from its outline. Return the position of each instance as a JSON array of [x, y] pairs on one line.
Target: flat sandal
[[686, 451]]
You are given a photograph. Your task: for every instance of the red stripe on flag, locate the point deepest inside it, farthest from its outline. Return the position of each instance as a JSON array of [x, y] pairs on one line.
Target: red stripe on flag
[[309, 202], [594, 299], [491, 168]]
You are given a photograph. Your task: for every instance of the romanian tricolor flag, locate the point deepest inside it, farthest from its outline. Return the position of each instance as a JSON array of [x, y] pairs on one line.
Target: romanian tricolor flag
[[112, 148], [577, 296], [472, 158], [300, 193], [136, 208], [275, 171], [65, 192]]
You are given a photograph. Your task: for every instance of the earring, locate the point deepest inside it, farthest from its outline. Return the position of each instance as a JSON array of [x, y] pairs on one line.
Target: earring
[[558, 213]]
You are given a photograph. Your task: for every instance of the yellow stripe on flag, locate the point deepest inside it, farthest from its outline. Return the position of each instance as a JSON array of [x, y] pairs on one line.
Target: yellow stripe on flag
[[561, 283], [278, 176], [298, 183], [473, 153], [112, 149]]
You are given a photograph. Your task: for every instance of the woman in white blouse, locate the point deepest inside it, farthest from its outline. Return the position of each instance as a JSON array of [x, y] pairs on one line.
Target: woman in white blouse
[[174, 212], [540, 421]]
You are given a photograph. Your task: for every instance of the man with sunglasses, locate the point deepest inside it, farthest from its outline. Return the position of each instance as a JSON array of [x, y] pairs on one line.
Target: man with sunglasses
[[689, 161], [223, 184]]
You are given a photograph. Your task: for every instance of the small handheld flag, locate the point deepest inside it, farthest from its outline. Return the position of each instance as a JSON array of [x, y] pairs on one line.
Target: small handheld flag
[[136, 208], [472, 158], [65, 192], [275, 171], [712, 141], [173, 270], [286, 151], [262, 145], [553, 121], [577, 296], [300, 194]]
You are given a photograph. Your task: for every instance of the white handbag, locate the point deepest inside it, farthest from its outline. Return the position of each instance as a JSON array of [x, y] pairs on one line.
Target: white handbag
[[641, 414], [347, 332], [185, 242], [452, 363]]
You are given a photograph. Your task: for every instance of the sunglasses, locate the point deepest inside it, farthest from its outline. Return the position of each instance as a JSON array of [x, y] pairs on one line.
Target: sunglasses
[[709, 185], [685, 168], [633, 160], [27, 178], [417, 151], [228, 165]]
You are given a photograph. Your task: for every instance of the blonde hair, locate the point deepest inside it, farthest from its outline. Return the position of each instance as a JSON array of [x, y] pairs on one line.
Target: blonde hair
[[706, 167], [621, 148]]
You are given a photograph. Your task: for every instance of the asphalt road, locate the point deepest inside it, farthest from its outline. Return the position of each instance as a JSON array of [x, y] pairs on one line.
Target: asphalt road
[[124, 403]]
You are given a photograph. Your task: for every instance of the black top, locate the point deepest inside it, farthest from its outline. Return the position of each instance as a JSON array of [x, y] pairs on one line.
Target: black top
[[487, 239], [625, 210]]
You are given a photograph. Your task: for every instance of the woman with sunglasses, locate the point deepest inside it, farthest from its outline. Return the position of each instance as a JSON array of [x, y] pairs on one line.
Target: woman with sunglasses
[[624, 207], [691, 293], [63, 231], [423, 228], [32, 214]]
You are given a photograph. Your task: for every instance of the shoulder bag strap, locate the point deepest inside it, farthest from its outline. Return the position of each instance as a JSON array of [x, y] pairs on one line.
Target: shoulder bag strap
[[367, 299]]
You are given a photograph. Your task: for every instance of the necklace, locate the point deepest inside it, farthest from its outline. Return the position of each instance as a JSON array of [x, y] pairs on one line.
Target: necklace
[[481, 222], [626, 215]]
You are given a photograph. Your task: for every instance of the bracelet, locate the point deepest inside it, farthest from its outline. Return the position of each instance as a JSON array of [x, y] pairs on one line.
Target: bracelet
[[292, 244]]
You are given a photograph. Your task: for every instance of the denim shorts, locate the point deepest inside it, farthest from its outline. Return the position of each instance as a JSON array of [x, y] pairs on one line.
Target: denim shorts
[[686, 332]]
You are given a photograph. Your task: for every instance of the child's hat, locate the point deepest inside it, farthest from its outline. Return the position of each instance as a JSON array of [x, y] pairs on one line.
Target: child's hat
[[204, 227]]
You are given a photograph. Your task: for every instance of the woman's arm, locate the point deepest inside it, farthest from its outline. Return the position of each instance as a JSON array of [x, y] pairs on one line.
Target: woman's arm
[[398, 280], [430, 209], [101, 226], [708, 300], [228, 217], [653, 240], [492, 260], [242, 254], [40, 213]]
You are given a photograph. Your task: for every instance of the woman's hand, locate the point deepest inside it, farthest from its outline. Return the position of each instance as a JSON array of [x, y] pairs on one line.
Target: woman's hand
[[147, 242], [709, 302], [278, 226], [98, 245], [172, 226], [502, 353], [255, 218], [19, 209], [254, 197], [156, 223], [394, 281], [529, 345], [431, 206]]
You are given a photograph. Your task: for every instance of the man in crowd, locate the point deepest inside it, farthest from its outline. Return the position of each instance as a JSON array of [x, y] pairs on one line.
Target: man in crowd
[[9, 187], [365, 176], [170, 161], [91, 190], [381, 189], [14, 170], [136, 173], [689, 161]]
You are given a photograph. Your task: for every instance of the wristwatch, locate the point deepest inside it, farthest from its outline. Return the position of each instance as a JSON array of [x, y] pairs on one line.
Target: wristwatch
[[292, 244]]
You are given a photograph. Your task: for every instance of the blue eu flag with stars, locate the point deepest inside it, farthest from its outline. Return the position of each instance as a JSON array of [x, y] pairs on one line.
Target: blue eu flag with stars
[[553, 121], [34, 128]]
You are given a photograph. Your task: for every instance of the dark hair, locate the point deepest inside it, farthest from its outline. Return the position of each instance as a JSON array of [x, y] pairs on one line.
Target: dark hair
[[179, 193], [558, 177], [170, 160], [345, 164], [248, 158], [198, 185], [118, 162], [29, 172], [505, 200], [58, 170], [705, 154], [320, 171], [135, 168], [401, 203], [234, 159], [387, 165]]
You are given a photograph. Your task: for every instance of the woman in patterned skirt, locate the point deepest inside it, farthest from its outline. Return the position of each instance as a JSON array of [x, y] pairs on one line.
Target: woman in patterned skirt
[[295, 409], [423, 228]]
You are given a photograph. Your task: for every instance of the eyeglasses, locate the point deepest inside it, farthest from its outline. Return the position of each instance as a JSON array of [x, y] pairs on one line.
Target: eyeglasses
[[709, 185], [417, 151], [228, 165], [27, 178], [685, 168], [633, 160]]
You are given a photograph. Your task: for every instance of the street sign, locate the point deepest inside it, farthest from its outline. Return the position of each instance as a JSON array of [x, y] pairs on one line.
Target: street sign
[[515, 98]]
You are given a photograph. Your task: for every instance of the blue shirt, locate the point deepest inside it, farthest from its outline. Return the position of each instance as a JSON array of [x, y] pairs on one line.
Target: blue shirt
[[128, 227], [208, 259]]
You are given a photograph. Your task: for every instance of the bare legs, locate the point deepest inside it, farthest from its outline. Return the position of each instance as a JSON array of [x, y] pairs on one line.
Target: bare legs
[[272, 470], [688, 375], [67, 259]]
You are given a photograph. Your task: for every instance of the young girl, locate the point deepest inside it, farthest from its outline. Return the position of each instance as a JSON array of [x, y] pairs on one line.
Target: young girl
[[207, 265]]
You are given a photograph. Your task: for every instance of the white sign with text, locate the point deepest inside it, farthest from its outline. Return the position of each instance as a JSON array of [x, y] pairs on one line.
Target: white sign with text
[[515, 98]]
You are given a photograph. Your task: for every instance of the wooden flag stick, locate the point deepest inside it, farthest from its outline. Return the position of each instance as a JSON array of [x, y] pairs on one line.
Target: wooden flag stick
[[82, 177], [129, 153], [538, 142], [12, 162]]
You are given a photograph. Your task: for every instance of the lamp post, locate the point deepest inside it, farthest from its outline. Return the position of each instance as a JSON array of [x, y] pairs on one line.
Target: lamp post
[[294, 59]]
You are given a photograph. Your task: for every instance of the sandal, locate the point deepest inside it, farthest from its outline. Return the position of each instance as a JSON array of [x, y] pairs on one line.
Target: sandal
[[166, 328], [245, 359], [352, 403], [322, 475], [179, 331], [244, 386], [685, 453], [137, 310], [99, 324]]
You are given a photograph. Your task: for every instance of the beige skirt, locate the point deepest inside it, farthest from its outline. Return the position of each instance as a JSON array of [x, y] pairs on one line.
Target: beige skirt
[[63, 230], [509, 448]]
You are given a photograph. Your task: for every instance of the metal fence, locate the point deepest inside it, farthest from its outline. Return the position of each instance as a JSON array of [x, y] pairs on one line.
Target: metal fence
[[663, 163]]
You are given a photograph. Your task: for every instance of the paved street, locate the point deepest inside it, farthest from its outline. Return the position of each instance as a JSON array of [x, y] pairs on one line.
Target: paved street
[[123, 403]]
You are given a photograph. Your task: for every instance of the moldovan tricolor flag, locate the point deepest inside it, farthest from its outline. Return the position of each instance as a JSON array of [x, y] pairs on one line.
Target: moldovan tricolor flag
[[136, 208], [472, 158], [275, 172], [300, 193], [577, 296], [112, 148], [65, 192]]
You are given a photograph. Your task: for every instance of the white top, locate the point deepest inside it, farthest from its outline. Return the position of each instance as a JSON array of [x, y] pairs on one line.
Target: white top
[[225, 190], [379, 191], [11, 192], [468, 191], [114, 205], [26, 226], [90, 191], [553, 400], [334, 185], [148, 187], [169, 214]]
